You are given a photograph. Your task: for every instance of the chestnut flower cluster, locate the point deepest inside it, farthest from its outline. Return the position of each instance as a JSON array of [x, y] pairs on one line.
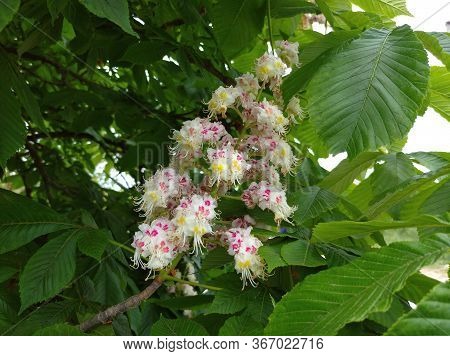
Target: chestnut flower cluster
[[182, 216]]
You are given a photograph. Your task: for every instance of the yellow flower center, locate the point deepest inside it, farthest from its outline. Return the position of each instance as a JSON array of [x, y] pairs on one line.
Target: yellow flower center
[[243, 264]]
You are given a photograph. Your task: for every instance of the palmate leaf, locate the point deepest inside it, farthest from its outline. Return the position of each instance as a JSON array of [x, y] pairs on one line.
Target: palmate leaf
[[301, 253], [236, 23], [440, 91], [49, 270], [312, 56], [388, 8], [272, 256], [340, 178], [334, 230], [405, 192], [92, 242], [396, 169], [324, 302], [312, 201], [22, 220], [296, 253], [431, 317], [368, 95]]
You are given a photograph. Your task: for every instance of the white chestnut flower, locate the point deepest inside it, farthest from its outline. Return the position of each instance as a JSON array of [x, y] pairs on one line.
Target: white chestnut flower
[[193, 218], [288, 52], [157, 243], [221, 100], [267, 196], [270, 68], [227, 165], [244, 247]]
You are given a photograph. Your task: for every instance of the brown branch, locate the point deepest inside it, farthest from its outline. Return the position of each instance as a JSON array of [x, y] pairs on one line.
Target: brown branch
[[209, 66], [80, 135], [61, 68], [40, 166], [132, 302]]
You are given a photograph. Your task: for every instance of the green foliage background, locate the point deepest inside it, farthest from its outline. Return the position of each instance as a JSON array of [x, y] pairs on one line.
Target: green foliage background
[[91, 89]]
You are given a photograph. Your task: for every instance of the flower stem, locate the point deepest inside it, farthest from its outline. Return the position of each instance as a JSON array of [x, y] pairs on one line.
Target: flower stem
[[122, 246], [269, 25], [194, 284]]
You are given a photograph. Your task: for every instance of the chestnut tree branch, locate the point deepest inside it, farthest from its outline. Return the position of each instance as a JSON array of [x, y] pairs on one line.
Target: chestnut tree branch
[[130, 303]]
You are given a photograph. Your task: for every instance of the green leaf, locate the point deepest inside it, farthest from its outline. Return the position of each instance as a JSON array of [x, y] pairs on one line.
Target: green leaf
[[8, 315], [325, 302], [404, 192], [347, 171], [55, 7], [9, 70], [330, 231], [339, 5], [396, 169], [289, 8], [389, 8], [312, 57], [115, 11], [22, 220], [8, 9], [216, 258], [236, 23], [272, 255], [301, 253], [440, 91], [6, 273], [438, 43], [245, 62], [416, 287], [260, 306], [45, 315], [390, 316], [108, 285], [60, 330], [231, 298], [49, 270], [306, 133], [432, 160], [431, 317], [386, 75], [438, 202], [312, 201], [178, 327], [92, 242], [242, 325], [329, 14], [363, 20], [12, 135], [412, 207]]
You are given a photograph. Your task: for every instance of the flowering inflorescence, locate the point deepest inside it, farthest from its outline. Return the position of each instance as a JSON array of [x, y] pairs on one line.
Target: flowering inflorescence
[[182, 216]]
